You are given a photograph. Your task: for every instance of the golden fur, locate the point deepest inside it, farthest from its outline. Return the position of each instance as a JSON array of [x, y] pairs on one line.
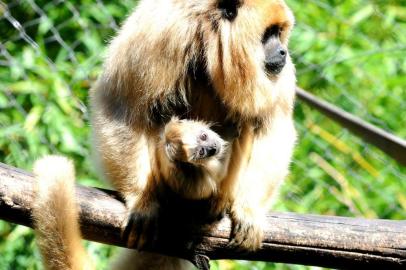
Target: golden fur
[[187, 59], [55, 215]]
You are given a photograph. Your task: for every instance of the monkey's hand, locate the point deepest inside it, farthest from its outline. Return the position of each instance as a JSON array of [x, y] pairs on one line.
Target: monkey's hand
[[141, 228], [247, 229]]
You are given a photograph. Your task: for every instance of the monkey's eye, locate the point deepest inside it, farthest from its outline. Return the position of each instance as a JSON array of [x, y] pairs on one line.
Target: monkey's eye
[[272, 31], [229, 8], [203, 136], [202, 152]]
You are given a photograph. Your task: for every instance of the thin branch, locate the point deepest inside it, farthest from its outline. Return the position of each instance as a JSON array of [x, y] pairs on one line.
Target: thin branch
[[326, 241], [387, 142]]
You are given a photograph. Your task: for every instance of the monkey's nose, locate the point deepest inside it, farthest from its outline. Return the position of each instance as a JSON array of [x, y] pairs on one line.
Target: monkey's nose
[[275, 62], [211, 151]]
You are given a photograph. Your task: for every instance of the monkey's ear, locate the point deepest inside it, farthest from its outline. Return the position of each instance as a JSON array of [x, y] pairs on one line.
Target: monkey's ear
[[229, 8]]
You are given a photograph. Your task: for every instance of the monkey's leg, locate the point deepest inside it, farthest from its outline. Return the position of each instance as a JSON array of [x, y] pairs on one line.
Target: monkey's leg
[[125, 154], [142, 223], [56, 217], [258, 185]]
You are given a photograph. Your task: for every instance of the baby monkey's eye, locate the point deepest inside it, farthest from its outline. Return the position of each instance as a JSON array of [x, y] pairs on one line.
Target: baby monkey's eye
[[201, 152], [272, 31], [203, 136]]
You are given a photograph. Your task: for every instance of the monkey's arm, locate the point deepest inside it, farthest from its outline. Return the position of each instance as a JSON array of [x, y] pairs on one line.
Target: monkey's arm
[[124, 156], [258, 184]]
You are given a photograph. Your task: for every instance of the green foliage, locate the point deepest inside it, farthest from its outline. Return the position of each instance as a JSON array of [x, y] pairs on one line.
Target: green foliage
[[349, 53]]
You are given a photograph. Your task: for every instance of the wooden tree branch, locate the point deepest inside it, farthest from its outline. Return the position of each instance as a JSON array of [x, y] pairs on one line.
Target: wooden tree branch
[[336, 242], [392, 145]]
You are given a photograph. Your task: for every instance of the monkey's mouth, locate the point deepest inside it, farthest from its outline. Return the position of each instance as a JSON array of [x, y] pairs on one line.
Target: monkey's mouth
[[275, 67], [204, 152]]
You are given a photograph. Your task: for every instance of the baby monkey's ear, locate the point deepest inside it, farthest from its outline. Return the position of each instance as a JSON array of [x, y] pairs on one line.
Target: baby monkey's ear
[[229, 8]]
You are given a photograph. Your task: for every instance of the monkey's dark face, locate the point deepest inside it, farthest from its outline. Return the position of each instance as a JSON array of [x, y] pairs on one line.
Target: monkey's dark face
[[246, 56], [274, 36], [275, 51]]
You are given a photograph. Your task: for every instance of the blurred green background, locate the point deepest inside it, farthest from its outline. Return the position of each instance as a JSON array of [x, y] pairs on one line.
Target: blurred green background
[[350, 53]]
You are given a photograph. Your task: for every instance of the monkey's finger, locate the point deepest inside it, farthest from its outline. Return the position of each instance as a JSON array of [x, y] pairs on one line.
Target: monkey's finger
[[144, 231], [138, 231], [150, 234], [202, 262], [248, 237], [134, 229], [240, 235], [127, 230], [236, 228]]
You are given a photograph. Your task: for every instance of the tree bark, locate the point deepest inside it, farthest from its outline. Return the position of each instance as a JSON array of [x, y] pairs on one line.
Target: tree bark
[[336, 242]]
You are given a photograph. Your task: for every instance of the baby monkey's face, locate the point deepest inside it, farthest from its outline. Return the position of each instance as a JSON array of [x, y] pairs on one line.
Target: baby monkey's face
[[205, 144], [192, 142]]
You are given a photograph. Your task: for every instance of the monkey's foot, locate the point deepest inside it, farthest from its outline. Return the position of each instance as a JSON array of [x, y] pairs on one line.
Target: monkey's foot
[[247, 232], [141, 230]]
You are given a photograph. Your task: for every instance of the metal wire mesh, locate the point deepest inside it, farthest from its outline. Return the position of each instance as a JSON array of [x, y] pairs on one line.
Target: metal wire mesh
[[350, 54]]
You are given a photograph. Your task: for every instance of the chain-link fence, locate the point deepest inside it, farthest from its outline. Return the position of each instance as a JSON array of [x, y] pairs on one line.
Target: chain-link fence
[[350, 54]]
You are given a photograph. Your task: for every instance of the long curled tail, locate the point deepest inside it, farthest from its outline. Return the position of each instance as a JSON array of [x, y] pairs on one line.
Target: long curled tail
[[56, 216]]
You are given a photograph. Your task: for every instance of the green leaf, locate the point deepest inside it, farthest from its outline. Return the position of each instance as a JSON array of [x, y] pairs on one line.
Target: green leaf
[[25, 87], [3, 101], [362, 14], [44, 25], [33, 118]]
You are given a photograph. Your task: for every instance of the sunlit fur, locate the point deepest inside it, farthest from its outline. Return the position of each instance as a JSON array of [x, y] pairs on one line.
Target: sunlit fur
[[55, 215], [183, 58]]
